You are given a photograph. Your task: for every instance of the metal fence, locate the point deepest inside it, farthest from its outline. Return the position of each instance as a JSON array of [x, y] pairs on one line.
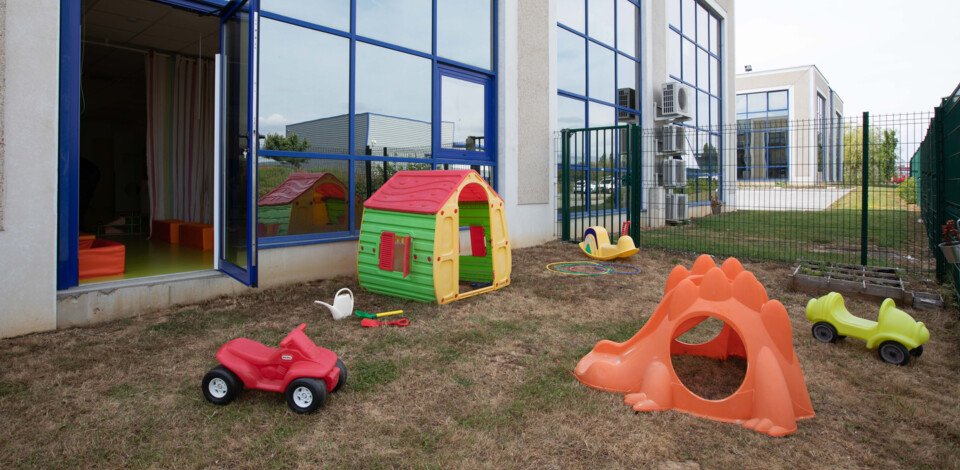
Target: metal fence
[[836, 189], [936, 169]]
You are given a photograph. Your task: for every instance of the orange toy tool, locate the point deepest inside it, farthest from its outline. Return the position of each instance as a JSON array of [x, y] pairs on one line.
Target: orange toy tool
[[773, 395]]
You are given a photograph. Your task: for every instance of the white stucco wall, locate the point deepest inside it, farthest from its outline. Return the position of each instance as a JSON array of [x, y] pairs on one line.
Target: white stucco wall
[[30, 115], [533, 222]]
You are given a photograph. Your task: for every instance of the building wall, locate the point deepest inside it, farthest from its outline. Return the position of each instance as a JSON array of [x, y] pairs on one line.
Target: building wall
[[803, 83], [28, 240], [526, 108]]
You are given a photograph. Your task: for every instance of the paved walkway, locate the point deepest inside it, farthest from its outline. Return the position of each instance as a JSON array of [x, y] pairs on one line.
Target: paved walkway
[[788, 199]]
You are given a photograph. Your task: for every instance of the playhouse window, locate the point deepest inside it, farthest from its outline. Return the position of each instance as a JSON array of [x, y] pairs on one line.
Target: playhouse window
[[395, 252], [473, 241]]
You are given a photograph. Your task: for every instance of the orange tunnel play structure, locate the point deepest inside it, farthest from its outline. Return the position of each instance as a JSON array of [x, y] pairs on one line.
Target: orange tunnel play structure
[[773, 395]]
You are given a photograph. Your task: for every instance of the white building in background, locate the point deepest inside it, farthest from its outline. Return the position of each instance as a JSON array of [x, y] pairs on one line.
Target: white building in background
[[789, 127], [374, 132]]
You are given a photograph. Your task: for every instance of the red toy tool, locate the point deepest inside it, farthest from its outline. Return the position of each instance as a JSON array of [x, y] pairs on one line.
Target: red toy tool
[[371, 323], [301, 370]]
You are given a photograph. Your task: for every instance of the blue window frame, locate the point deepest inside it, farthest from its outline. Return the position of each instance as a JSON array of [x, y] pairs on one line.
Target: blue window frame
[[763, 138], [367, 161], [599, 74], [694, 57]]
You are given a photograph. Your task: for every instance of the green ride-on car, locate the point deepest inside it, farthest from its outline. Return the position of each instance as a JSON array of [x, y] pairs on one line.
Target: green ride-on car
[[895, 334]]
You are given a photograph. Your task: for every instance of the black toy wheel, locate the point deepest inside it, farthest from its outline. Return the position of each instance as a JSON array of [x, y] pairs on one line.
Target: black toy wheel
[[220, 386], [894, 353], [917, 351], [306, 395], [824, 332], [343, 375]]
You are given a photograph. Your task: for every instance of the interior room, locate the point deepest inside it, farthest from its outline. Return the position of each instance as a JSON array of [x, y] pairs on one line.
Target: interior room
[[146, 140]]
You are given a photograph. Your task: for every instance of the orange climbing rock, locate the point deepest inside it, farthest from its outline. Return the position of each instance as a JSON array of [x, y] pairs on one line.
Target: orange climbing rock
[[773, 395]]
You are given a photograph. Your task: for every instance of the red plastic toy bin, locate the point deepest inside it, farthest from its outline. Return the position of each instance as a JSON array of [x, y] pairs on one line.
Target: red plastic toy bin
[[102, 258]]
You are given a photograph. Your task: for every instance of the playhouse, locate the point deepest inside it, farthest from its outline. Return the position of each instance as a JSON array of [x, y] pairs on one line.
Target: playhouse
[[434, 236], [303, 203]]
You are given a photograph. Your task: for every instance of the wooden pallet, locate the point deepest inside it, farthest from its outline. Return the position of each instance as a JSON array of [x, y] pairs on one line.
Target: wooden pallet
[[867, 282]]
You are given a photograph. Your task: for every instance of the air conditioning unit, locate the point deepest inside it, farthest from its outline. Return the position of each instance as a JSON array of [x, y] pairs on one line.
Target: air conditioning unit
[[674, 173], [627, 98], [671, 140], [655, 206], [676, 102], [676, 209]]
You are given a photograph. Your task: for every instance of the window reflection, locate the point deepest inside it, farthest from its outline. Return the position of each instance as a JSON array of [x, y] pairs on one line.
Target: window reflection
[[297, 196], [304, 94], [332, 13], [464, 29], [461, 114], [627, 82], [393, 103], [673, 54], [600, 19], [627, 27], [762, 135], [570, 13], [571, 62], [407, 23], [602, 79]]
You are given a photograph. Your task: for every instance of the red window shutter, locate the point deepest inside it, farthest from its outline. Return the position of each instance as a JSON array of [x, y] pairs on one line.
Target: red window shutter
[[406, 255], [478, 242], [387, 240]]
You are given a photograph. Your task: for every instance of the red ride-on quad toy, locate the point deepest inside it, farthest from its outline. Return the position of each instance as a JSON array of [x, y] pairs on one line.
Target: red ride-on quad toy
[[301, 370]]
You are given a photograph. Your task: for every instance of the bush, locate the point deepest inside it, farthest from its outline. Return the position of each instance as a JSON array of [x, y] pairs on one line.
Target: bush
[[908, 190]]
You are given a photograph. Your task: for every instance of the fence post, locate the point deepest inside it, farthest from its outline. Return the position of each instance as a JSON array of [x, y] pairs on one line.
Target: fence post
[[565, 185], [865, 187], [940, 209], [636, 182]]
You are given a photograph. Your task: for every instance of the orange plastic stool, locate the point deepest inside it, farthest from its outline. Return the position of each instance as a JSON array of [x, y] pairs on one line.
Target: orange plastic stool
[[167, 230], [199, 236], [773, 395]]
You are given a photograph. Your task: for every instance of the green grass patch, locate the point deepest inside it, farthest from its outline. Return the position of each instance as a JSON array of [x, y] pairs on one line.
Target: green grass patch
[[121, 391], [193, 322], [368, 375]]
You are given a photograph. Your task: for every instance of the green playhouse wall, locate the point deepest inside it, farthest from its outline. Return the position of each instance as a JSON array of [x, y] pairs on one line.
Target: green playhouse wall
[[476, 268], [422, 229]]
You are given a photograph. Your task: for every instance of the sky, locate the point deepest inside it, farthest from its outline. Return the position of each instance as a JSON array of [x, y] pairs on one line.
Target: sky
[[882, 56]]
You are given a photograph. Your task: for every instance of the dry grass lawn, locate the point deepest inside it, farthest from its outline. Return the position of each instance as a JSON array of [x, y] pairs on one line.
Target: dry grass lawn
[[481, 383]]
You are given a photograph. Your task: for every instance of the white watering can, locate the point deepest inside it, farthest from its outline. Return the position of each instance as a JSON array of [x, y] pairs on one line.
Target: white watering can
[[342, 304]]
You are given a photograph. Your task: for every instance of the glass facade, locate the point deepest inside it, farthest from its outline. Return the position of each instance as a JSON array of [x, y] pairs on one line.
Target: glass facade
[[351, 91], [598, 78], [693, 58], [763, 136]]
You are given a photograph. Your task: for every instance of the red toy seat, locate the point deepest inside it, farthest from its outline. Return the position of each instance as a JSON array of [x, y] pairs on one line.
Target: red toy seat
[[252, 351]]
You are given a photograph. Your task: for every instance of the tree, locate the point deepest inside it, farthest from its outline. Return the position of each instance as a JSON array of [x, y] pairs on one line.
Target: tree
[[290, 143], [883, 155]]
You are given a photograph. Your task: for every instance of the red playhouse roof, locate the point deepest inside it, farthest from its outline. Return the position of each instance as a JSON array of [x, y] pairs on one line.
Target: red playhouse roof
[[423, 192], [299, 183]]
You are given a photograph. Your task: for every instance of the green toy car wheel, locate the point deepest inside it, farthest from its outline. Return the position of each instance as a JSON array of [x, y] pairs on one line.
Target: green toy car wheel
[[917, 351], [894, 353], [824, 332]]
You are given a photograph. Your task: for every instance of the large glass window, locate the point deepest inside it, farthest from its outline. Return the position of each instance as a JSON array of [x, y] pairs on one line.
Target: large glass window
[[464, 30], [762, 135], [694, 58], [312, 105], [406, 23], [598, 77], [304, 94]]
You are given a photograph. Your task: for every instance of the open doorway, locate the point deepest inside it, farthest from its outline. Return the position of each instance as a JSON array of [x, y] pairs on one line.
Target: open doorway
[[146, 191], [476, 257]]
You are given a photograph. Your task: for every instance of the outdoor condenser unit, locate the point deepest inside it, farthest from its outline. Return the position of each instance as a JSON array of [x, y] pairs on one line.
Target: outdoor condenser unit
[[676, 209], [671, 140], [676, 102], [674, 173]]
